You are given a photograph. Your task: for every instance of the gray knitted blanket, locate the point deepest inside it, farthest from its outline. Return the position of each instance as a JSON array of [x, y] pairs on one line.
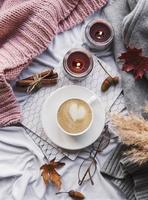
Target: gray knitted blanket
[[131, 179], [130, 21]]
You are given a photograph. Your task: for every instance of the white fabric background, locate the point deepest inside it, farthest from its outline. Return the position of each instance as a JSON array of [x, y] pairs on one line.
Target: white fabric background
[[20, 161], [20, 158]]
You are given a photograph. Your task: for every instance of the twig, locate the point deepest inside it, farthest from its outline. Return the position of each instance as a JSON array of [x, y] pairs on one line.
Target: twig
[[104, 68]]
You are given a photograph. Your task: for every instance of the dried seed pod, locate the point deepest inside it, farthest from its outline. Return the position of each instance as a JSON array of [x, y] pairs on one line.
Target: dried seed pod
[[74, 194], [108, 82]]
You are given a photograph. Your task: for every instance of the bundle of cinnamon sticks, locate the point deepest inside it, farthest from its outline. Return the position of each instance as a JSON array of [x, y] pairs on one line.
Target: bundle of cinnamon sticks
[[36, 81]]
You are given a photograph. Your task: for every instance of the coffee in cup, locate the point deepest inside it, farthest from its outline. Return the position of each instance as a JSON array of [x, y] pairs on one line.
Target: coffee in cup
[[74, 116]]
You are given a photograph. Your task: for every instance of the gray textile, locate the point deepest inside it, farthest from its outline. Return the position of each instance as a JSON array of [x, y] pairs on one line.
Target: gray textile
[[130, 21], [129, 177]]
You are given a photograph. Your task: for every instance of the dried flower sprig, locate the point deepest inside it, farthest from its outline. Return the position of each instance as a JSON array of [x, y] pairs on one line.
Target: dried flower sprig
[[133, 131], [146, 107]]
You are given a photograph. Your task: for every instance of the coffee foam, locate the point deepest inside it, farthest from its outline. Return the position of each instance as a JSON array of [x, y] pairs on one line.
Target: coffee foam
[[77, 112], [74, 115]]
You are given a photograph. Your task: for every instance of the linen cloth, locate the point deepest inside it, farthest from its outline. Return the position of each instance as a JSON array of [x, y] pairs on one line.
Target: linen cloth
[[20, 160], [15, 139], [129, 19], [20, 172], [26, 28]]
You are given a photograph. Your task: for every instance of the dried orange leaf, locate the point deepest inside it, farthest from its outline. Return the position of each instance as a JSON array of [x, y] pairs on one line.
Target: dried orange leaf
[[55, 178], [56, 164], [49, 173], [45, 173]]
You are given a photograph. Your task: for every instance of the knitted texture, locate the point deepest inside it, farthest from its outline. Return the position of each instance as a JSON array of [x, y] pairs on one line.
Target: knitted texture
[[26, 28]]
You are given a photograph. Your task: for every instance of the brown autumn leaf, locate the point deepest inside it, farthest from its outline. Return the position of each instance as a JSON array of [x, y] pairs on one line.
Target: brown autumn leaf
[[45, 173], [56, 164], [49, 173], [55, 178]]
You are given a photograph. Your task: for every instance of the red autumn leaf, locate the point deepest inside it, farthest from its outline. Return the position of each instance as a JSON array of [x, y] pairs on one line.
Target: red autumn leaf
[[49, 173], [134, 62]]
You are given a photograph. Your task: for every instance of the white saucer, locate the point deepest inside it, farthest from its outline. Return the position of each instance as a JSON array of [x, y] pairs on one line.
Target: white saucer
[[48, 118]]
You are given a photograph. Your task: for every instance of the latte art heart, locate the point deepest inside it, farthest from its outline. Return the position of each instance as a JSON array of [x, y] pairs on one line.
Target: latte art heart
[[76, 112], [74, 116]]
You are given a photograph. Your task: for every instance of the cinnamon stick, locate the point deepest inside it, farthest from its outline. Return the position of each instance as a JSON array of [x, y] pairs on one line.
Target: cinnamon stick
[[46, 82], [23, 83], [53, 75], [28, 82], [45, 78], [23, 87], [42, 74]]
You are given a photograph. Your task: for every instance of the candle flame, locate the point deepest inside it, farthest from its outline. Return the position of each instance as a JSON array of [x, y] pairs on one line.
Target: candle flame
[[78, 64], [99, 34]]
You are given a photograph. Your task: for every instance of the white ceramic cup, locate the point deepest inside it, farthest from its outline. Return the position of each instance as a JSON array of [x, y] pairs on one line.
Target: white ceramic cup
[[89, 103]]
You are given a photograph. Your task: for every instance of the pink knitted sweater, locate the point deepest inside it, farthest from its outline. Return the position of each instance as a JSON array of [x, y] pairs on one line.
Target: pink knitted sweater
[[26, 28]]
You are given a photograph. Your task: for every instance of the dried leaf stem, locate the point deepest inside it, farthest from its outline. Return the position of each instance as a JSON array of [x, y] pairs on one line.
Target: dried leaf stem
[[104, 69]]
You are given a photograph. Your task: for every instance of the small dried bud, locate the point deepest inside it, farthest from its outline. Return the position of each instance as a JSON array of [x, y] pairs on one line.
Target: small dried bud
[[108, 82], [76, 195]]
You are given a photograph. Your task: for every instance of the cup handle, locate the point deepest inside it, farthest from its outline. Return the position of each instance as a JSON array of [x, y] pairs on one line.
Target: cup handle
[[91, 99]]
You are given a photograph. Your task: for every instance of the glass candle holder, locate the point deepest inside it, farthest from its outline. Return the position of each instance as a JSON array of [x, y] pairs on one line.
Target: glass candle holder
[[99, 34], [77, 64]]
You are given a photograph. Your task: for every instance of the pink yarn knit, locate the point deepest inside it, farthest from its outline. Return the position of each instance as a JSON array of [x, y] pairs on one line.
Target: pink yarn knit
[[26, 28]]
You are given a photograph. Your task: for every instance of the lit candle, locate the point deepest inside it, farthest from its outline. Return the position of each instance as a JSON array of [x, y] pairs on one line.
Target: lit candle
[[77, 63], [99, 34]]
